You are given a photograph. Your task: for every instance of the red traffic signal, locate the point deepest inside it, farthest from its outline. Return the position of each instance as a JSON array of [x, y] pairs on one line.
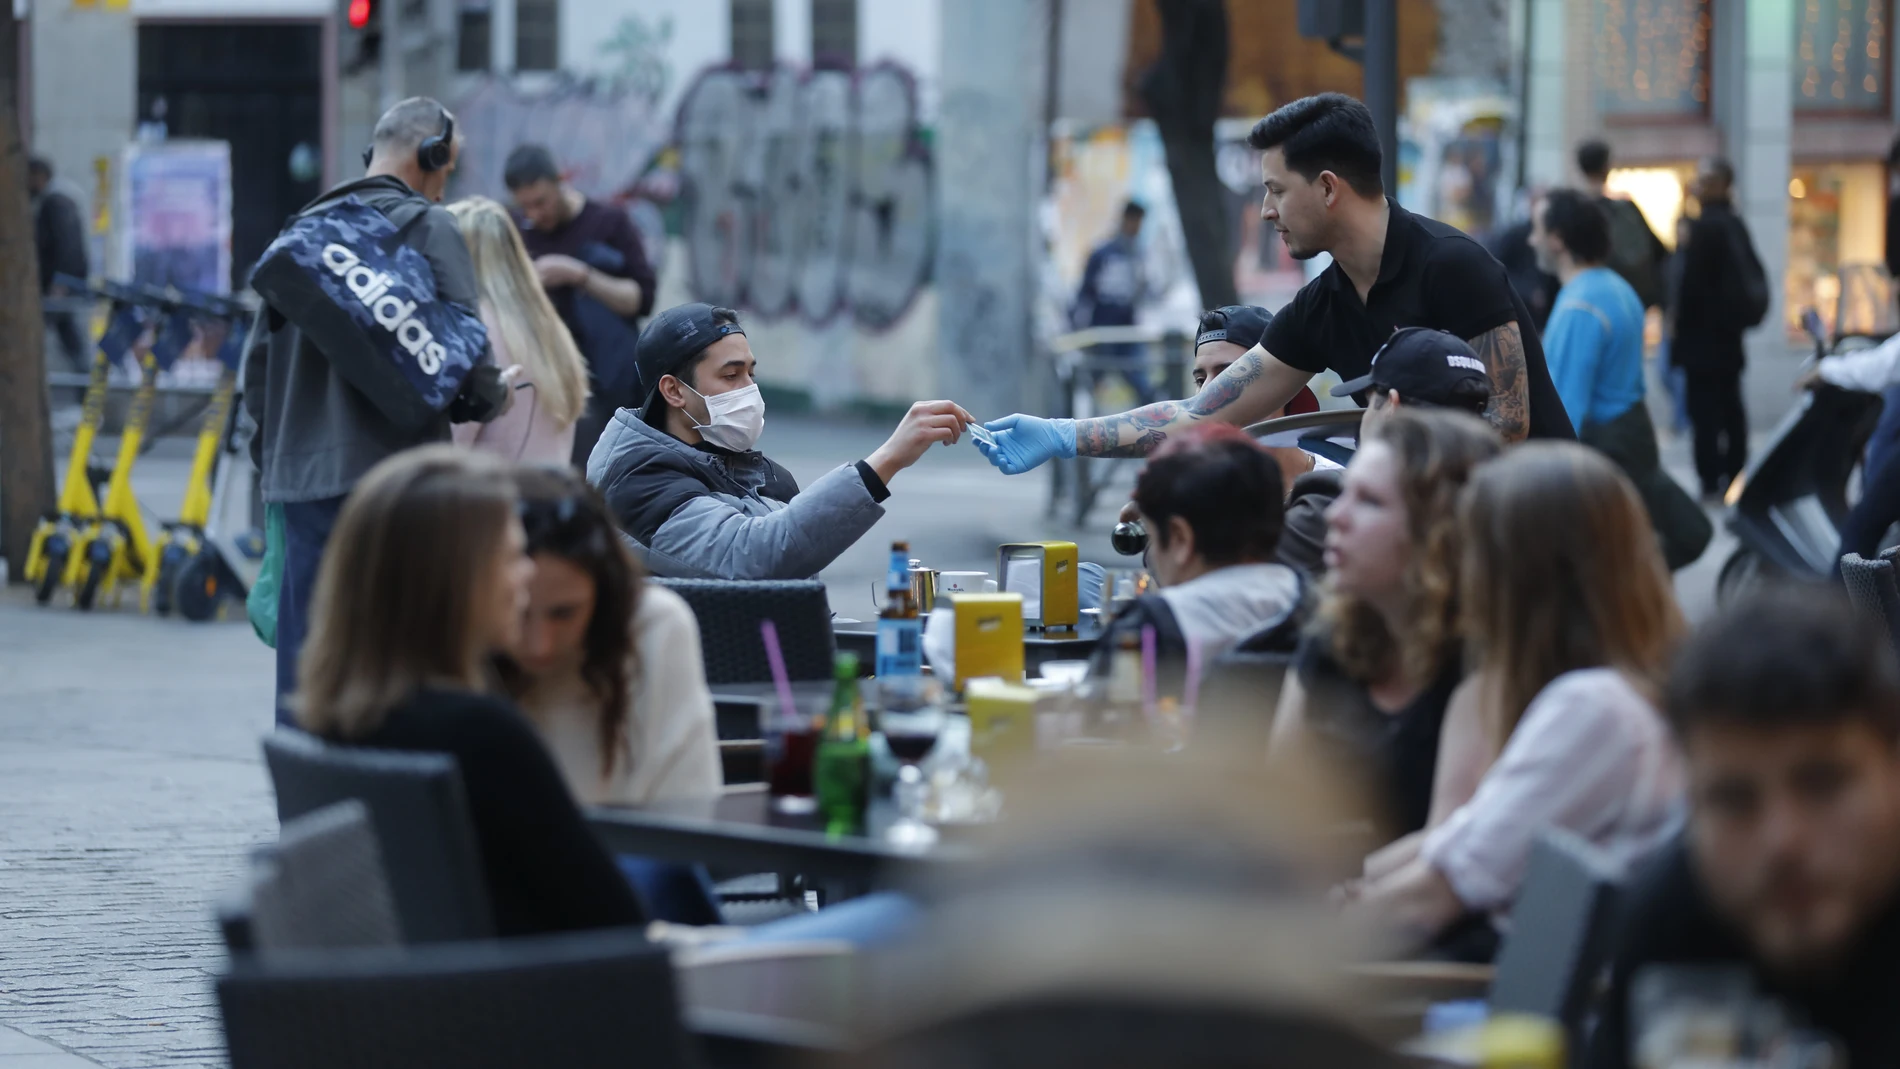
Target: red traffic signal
[[360, 11]]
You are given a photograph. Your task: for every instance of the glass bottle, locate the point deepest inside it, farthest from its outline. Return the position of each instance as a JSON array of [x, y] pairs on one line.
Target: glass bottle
[[843, 767]]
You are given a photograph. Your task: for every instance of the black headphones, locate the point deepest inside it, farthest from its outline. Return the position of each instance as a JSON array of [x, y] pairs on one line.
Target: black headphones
[[433, 153]]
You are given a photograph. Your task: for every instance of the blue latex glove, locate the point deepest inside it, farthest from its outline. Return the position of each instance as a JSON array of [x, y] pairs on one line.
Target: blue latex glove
[[1024, 442]]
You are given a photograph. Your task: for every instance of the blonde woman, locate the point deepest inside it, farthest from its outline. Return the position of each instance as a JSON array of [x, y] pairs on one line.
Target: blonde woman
[[524, 329]]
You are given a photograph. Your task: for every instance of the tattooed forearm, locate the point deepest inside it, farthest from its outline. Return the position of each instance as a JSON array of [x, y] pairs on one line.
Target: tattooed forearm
[[1502, 351], [1227, 386], [1126, 434]]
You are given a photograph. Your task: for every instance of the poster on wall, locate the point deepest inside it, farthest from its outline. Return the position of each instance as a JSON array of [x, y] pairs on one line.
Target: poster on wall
[[175, 214]]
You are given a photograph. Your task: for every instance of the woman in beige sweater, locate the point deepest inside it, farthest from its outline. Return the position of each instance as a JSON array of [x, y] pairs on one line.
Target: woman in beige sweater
[[608, 666]]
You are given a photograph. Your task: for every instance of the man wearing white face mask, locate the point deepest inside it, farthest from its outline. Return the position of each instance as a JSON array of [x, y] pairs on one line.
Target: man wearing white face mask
[[698, 500]]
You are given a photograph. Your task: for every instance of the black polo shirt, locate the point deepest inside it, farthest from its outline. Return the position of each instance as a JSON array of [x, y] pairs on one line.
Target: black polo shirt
[[1430, 275]]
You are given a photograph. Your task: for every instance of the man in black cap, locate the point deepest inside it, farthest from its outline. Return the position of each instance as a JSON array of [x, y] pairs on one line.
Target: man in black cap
[[687, 484], [1419, 366]]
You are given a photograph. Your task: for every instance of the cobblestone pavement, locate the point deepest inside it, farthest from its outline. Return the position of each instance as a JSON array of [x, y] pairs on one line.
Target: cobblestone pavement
[[130, 792]]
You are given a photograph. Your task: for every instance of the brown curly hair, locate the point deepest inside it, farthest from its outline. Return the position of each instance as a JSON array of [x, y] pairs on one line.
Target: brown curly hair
[[1436, 450]]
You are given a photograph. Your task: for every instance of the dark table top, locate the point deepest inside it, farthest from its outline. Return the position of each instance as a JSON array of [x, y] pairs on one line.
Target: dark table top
[[740, 831], [1039, 647]]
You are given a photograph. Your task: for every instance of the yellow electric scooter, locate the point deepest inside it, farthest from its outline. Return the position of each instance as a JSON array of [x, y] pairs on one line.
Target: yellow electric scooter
[[182, 540], [50, 560], [115, 548]]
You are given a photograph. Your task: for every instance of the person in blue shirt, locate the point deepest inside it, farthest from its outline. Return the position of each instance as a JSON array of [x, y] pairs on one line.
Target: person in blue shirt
[[1112, 286], [1593, 345]]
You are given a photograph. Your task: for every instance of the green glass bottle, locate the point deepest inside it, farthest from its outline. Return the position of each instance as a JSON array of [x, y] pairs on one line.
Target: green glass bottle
[[843, 765]]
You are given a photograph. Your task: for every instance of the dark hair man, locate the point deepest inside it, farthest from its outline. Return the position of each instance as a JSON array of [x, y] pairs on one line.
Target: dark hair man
[[317, 432], [1320, 162], [687, 485], [1594, 342], [1211, 503], [595, 269], [60, 240], [1635, 252], [1724, 294], [1787, 709]]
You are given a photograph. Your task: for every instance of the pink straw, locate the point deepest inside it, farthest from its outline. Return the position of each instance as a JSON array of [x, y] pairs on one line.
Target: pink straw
[[1193, 689], [1148, 669], [780, 678]]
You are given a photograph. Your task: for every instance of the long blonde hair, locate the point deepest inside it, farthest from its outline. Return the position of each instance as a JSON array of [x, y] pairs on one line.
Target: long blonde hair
[[1436, 450], [1562, 571], [399, 595], [530, 330]]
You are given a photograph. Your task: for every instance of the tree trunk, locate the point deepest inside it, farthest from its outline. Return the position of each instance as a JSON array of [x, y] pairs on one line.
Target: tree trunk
[[1183, 90], [26, 436]]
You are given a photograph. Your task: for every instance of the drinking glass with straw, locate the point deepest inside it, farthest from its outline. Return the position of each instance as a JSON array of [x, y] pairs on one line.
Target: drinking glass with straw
[[791, 737]]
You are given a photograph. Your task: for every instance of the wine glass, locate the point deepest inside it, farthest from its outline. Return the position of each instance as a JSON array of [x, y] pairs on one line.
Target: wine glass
[[911, 734]]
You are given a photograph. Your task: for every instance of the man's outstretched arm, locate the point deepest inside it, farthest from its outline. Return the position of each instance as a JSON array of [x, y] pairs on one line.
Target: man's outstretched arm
[[1247, 392], [1502, 351]]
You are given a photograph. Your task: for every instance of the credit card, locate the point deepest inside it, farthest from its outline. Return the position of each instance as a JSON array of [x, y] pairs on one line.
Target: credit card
[[981, 434]]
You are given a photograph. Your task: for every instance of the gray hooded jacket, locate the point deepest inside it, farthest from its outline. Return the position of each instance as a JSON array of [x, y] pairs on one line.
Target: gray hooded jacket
[[704, 513], [317, 434]]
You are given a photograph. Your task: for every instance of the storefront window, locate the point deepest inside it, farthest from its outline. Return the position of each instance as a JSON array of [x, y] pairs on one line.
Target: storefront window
[[1841, 55], [1836, 226], [1652, 58]]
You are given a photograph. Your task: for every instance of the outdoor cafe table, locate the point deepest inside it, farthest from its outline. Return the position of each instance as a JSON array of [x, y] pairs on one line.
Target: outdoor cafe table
[[1039, 647], [740, 831]]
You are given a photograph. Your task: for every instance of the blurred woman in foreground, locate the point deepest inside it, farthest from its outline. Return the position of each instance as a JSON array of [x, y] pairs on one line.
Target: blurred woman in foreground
[[1570, 609], [1371, 682], [424, 580], [522, 329]]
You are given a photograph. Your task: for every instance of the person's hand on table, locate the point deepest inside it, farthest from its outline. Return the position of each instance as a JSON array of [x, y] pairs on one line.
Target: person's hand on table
[[926, 424], [1025, 442]]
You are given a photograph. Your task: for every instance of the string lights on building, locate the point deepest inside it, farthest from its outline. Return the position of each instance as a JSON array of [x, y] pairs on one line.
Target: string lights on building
[[1841, 55], [1653, 56]]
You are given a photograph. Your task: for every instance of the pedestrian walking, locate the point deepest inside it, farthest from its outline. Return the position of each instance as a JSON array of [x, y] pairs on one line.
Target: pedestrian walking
[[1636, 253], [523, 329], [332, 399], [595, 269], [60, 240], [1724, 294], [1112, 286], [1595, 346]]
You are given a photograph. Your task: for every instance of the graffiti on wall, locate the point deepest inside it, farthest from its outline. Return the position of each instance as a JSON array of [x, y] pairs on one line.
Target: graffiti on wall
[[806, 192]]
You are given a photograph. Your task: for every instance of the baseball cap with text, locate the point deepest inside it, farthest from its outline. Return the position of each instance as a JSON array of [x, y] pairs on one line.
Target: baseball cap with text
[[1423, 365]]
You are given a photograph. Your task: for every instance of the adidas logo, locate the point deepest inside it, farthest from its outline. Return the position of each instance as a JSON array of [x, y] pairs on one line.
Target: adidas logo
[[388, 309]]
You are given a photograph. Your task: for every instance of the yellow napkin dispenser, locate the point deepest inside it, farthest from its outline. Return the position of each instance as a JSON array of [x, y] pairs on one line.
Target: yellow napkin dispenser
[[1047, 575], [989, 636], [1002, 718]]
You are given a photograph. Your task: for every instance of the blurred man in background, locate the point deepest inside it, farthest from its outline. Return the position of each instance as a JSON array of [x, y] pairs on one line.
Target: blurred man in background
[[1112, 285], [1636, 253], [1787, 709], [60, 240], [1724, 295], [595, 269]]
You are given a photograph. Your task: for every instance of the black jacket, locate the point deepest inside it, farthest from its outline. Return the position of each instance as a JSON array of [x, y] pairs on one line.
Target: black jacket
[[1707, 340], [1303, 538], [59, 238]]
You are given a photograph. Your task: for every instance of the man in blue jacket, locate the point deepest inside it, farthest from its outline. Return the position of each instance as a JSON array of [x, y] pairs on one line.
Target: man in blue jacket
[[687, 484]]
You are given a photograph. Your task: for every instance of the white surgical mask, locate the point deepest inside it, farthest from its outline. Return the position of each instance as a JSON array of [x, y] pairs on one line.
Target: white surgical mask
[[737, 418]]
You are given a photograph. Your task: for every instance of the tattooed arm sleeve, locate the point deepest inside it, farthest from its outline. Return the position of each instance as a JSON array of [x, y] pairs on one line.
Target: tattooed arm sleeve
[[1502, 351], [1250, 390]]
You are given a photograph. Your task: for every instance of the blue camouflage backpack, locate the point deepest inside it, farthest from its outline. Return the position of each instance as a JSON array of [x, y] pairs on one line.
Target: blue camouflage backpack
[[346, 276]]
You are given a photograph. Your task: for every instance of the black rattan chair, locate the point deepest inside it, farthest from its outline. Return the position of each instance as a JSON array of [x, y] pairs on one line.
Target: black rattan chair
[[321, 887], [420, 815], [1872, 588], [597, 1000], [729, 613], [1560, 932]]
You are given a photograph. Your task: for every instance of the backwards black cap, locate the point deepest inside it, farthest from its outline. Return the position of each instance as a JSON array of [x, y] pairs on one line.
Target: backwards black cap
[[1242, 324], [1423, 365], [671, 339]]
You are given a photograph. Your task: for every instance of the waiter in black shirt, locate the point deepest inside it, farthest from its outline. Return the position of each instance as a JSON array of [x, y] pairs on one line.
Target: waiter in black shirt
[[1320, 161]]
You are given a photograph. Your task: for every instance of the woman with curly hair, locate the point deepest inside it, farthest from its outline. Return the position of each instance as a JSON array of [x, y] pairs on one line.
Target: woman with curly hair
[[1371, 681], [1570, 610]]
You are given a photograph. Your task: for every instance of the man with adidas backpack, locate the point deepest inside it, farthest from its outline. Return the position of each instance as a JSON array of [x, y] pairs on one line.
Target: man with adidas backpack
[[370, 343], [1724, 295]]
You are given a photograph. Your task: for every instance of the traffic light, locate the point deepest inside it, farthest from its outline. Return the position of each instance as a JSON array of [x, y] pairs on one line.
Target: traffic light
[[362, 35]]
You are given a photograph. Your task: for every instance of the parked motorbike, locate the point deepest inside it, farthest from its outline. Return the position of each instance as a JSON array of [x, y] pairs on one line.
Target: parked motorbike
[[1786, 509]]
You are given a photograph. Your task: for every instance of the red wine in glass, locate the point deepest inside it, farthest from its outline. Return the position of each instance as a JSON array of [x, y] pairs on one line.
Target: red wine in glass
[[908, 745]]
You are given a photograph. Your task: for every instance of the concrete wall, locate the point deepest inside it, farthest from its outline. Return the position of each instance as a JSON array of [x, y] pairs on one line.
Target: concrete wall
[[85, 92]]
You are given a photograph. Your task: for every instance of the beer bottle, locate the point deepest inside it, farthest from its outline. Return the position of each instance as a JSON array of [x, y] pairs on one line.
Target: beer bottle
[[900, 637], [843, 765]]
